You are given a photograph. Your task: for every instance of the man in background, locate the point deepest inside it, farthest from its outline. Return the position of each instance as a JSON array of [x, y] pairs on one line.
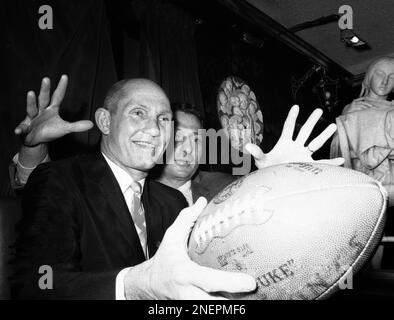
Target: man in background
[[182, 170]]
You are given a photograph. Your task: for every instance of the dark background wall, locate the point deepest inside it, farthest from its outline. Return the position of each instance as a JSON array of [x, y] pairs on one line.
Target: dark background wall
[[78, 45], [182, 45]]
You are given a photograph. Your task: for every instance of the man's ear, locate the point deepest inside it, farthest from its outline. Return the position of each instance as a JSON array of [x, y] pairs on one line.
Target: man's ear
[[103, 120]]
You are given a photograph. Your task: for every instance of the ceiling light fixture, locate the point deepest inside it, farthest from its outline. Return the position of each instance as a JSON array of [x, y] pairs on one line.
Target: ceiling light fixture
[[351, 39]]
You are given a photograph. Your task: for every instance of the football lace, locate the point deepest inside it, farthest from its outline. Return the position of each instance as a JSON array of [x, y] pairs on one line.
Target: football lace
[[215, 223]]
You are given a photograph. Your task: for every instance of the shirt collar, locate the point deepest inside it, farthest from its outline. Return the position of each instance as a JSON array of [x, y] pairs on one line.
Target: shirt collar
[[122, 176], [185, 187]]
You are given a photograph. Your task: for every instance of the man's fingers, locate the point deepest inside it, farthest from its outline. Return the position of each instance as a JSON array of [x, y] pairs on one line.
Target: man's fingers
[[45, 93], [31, 105], [211, 280], [333, 162], [255, 151], [308, 126], [186, 219], [60, 91], [21, 128], [322, 138], [179, 231], [80, 126], [288, 126]]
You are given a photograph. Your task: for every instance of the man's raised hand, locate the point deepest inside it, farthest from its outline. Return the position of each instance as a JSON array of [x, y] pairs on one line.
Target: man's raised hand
[[289, 150], [43, 123]]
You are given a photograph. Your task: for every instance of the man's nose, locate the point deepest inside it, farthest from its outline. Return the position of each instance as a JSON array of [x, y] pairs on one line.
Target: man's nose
[[152, 127], [187, 147]]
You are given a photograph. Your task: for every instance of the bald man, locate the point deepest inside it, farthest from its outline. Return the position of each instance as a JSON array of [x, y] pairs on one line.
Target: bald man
[[94, 226]]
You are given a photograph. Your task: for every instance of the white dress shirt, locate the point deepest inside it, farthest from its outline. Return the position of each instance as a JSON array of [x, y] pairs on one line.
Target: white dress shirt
[[187, 192], [124, 181], [22, 173]]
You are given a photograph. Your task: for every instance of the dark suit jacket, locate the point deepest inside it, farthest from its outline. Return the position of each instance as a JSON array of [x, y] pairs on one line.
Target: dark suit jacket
[[209, 184], [76, 221]]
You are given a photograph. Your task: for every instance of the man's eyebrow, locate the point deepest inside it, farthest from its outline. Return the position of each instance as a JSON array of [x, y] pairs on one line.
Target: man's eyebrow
[[139, 105], [131, 104], [194, 131], [168, 113]]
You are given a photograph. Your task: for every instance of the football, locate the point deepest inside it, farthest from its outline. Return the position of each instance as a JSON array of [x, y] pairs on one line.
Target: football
[[302, 230]]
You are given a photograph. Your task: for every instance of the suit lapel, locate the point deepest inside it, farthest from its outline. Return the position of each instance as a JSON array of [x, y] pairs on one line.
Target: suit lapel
[[153, 218], [162, 205], [115, 203], [198, 190]]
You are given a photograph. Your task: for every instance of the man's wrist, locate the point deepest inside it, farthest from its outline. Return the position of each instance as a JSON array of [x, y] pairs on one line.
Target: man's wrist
[[30, 157], [136, 282], [120, 284]]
